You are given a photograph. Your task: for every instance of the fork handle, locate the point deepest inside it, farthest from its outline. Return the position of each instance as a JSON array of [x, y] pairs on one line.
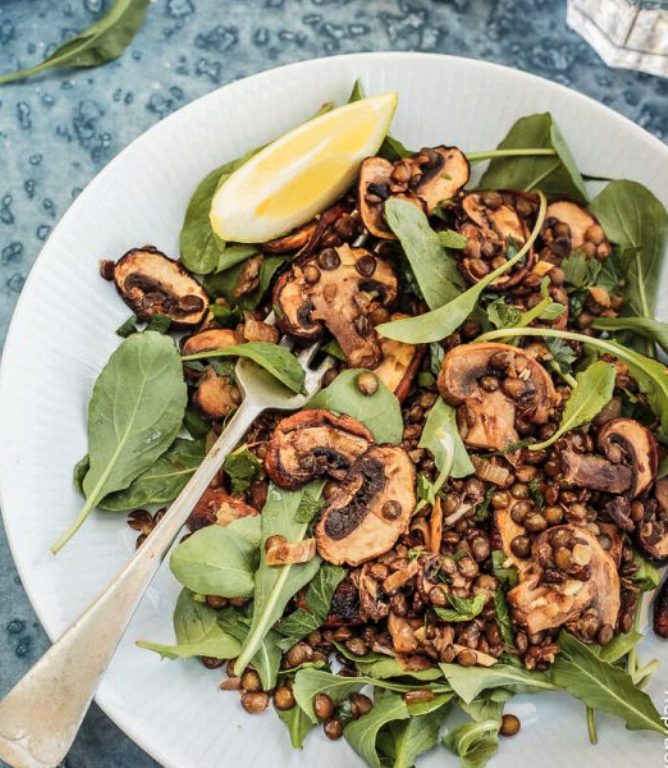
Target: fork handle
[[41, 715]]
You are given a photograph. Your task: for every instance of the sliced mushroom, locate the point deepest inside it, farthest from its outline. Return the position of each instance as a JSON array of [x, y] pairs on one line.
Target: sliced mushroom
[[487, 419], [279, 551], [217, 507], [652, 531], [294, 241], [402, 632], [249, 277], [314, 443], [374, 603], [595, 472], [400, 363], [491, 223], [150, 283], [629, 442], [256, 330], [507, 530], [541, 604], [612, 540], [207, 341], [370, 509], [340, 289], [427, 179], [334, 226], [216, 396], [345, 610], [568, 227]]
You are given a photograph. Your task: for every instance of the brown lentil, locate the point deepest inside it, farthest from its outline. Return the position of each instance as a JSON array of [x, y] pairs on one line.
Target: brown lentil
[[510, 725], [323, 706], [333, 729], [254, 701]]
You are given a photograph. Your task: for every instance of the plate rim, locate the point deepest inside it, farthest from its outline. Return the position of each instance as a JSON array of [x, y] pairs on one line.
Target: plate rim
[[117, 714]]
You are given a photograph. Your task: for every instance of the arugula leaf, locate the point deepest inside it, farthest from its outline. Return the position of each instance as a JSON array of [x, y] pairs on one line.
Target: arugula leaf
[[242, 468], [103, 41], [580, 271], [436, 272], [619, 646], [439, 323], [380, 412], [403, 741], [276, 585], [475, 743], [267, 658], [449, 238], [197, 633], [557, 176], [223, 284], [362, 733], [463, 608], [646, 577], [440, 422], [219, 560], [592, 393], [318, 601], [298, 725], [648, 327], [277, 361], [503, 619], [308, 508], [502, 315], [563, 354], [134, 414], [506, 576], [603, 686], [383, 667], [470, 682]]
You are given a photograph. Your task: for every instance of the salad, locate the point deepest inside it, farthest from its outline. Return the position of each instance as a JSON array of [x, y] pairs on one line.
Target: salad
[[475, 503]]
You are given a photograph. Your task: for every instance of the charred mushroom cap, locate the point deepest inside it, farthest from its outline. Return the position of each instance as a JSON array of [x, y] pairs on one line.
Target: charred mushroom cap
[[314, 443], [334, 226], [568, 227], [345, 610], [652, 530], [150, 283], [370, 509], [490, 222], [216, 396], [426, 179], [487, 419], [628, 442], [400, 363], [207, 341], [340, 289], [217, 507], [594, 472], [543, 600]]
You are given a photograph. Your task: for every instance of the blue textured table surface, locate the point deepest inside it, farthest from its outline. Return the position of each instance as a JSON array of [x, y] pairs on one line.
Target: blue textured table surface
[[58, 130]]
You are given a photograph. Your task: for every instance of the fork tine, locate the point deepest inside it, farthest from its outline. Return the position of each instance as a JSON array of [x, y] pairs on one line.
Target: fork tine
[[307, 354], [287, 343]]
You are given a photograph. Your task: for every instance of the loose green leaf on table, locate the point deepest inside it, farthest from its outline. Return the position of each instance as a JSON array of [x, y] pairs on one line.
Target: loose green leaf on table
[[276, 585], [475, 743], [362, 733], [557, 176], [219, 560], [276, 360], [442, 421], [134, 414], [297, 723], [163, 481], [198, 633], [435, 270], [470, 682], [463, 608], [592, 393], [380, 412], [439, 323], [242, 468], [603, 686], [104, 41]]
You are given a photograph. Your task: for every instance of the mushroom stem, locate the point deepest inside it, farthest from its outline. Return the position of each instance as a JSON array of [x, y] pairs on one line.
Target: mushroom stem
[[479, 157]]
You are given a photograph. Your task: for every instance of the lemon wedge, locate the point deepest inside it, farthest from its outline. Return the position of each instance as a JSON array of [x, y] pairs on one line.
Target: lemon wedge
[[300, 174]]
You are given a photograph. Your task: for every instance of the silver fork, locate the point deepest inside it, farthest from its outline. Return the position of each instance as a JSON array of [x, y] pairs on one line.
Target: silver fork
[[41, 715]]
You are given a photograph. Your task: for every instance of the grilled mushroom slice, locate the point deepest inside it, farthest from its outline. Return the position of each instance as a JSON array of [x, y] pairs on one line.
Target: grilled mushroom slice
[[426, 179], [595, 472], [370, 509], [491, 222], [345, 610], [402, 632], [340, 289], [207, 341], [652, 531], [314, 443], [568, 227], [549, 597], [217, 507], [661, 611], [216, 396], [628, 442], [334, 226], [487, 418], [374, 603], [150, 283], [400, 363]]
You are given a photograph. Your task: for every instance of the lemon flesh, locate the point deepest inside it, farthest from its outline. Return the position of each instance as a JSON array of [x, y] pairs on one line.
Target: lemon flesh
[[300, 174]]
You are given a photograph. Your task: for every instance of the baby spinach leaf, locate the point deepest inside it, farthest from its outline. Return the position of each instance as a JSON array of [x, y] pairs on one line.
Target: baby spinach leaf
[[102, 42], [297, 723], [242, 468], [380, 412], [449, 238], [603, 686], [276, 585], [362, 733], [392, 149], [463, 608], [470, 682], [197, 633], [435, 270], [593, 391], [267, 658], [442, 421], [475, 743], [557, 176], [226, 317], [195, 423], [163, 481], [128, 327], [648, 327], [222, 284], [318, 601], [277, 361], [134, 414], [219, 560], [235, 254], [441, 322], [408, 739]]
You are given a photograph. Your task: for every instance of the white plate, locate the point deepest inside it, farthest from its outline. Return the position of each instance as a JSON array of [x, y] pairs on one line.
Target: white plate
[[63, 332]]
